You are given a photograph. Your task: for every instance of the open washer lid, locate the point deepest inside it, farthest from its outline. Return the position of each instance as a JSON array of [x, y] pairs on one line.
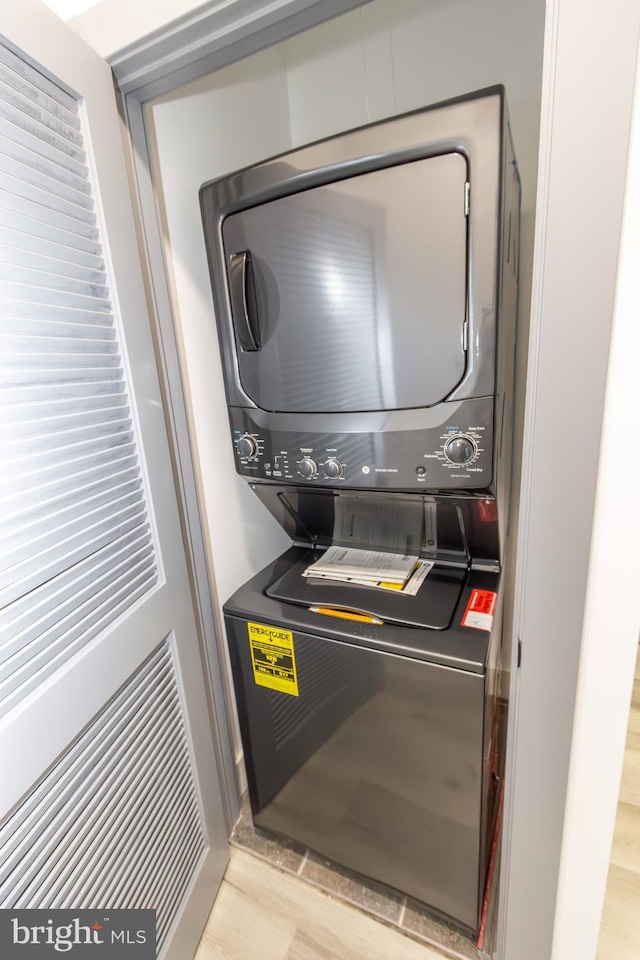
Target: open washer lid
[[432, 606]]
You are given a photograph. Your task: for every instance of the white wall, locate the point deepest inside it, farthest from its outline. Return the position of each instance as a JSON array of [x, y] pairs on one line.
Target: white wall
[[198, 137], [610, 634], [590, 65]]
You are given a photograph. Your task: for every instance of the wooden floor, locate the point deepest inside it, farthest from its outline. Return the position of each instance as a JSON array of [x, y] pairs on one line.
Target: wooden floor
[[262, 913], [620, 930]]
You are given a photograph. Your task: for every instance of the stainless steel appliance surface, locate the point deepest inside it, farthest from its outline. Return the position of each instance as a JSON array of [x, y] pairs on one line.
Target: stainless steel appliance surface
[[365, 290], [384, 760]]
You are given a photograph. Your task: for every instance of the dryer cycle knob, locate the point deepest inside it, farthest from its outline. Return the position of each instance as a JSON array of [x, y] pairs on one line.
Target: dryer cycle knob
[[308, 468], [247, 447], [332, 469], [460, 449]]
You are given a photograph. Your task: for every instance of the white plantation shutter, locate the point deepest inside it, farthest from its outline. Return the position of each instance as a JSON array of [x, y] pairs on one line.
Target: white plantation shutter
[[76, 547], [128, 783], [109, 792]]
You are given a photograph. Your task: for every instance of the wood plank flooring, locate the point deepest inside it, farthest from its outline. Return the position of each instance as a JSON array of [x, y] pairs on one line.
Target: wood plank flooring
[[262, 913], [620, 930]]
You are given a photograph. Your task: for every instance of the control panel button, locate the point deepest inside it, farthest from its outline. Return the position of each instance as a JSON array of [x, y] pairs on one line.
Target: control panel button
[[247, 446], [460, 449], [308, 468], [333, 469]]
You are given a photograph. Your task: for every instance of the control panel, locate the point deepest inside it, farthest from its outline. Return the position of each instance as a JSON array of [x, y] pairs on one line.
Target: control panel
[[454, 455]]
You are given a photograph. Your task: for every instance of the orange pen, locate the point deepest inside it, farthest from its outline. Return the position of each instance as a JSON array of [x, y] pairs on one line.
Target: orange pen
[[345, 615]]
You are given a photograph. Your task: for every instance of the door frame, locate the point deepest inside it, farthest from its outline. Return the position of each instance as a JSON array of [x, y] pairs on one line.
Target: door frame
[[576, 240]]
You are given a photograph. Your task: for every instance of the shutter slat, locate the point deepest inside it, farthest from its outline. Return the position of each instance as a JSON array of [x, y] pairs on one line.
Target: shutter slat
[[60, 396], [47, 449], [96, 455], [47, 195], [124, 788], [26, 611], [92, 831], [32, 162], [191, 852], [57, 329], [54, 518], [51, 285], [29, 425], [20, 97], [65, 530], [19, 309], [40, 642], [51, 660], [70, 485], [33, 818], [145, 839], [46, 214], [15, 256], [18, 170], [70, 246], [23, 342], [42, 373], [39, 84], [32, 141], [169, 752], [44, 566], [38, 128], [83, 784]]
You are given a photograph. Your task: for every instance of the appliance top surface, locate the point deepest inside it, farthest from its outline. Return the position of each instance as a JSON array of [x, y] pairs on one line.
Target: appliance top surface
[[365, 143], [458, 647]]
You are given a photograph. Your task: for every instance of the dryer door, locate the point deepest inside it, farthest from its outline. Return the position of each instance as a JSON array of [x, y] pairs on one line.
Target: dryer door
[[352, 296]]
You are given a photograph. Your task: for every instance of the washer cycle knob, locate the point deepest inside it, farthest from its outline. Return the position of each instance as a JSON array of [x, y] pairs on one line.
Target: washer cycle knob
[[332, 469], [460, 449], [308, 468], [247, 447]]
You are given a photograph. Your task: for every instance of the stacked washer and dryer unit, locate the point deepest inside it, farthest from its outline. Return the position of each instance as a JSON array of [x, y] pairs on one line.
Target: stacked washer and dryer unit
[[366, 294]]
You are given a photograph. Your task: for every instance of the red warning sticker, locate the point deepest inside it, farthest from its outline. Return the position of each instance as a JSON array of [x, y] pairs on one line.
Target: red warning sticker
[[479, 612]]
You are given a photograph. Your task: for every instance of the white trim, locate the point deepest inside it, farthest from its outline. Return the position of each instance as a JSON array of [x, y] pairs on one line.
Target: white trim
[[203, 584], [586, 108], [612, 617], [213, 36]]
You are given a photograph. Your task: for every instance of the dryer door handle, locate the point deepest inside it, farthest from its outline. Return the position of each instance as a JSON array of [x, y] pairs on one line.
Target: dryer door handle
[[243, 301]]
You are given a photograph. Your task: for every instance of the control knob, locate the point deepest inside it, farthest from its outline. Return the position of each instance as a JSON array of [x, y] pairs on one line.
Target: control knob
[[247, 446], [460, 449], [333, 469], [308, 468]]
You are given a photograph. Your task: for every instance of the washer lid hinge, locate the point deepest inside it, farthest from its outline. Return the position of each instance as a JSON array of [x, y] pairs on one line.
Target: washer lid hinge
[[491, 566]]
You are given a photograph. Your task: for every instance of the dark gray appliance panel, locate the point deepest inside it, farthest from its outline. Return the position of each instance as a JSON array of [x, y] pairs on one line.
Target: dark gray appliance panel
[[352, 296], [377, 764]]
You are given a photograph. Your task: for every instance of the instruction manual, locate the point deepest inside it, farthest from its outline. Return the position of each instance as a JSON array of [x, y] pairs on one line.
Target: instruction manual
[[371, 568]]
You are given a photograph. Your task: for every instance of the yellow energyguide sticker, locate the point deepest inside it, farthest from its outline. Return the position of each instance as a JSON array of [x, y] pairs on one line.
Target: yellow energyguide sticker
[[273, 658]]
